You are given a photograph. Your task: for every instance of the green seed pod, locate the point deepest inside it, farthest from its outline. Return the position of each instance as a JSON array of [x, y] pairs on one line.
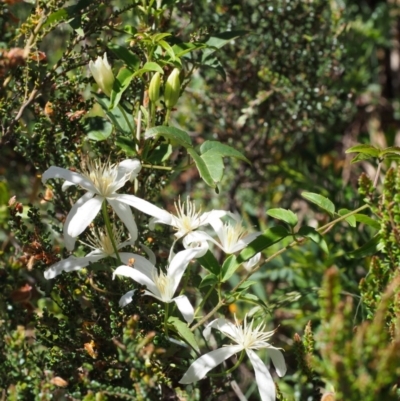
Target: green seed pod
[[172, 89], [154, 88]]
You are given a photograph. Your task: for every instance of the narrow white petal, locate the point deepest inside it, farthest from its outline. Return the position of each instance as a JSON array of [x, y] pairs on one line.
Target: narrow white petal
[[278, 361], [139, 263], [185, 307], [70, 264], [124, 212], [223, 325], [129, 166], [68, 239], [126, 298], [150, 254], [218, 227], [265, 384], [128, 242], [136, 275], [144, 206], [242, 243], [84, 215], [66, 185], [210, 216], [252, 261], [71, 176], [200, 367]]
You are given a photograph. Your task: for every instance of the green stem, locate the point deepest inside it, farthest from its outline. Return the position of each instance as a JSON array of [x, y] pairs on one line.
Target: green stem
[[110, 231], [234, 367], [129, 123], [166, 309], [167, 116], [203, 301], [157, 167], [321, 230]]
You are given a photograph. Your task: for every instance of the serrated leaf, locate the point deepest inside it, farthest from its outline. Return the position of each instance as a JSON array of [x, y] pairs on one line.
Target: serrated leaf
[[364, 149], [222, 149], [215, 165], [321, 201], [202, 168], [124, 54], [285, 215], [97, 128], [369, 248], [210, 263], [173, 134], [362, 218], [315, 236], [351, 219], [184, 332], [263, 241], [229, 267], [210, 279]]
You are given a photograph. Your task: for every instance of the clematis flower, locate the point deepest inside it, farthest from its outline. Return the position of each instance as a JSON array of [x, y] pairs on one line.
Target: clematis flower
[[102, 74], [233, 237], [102, 247], [160, 285], [246, 338], [101, 181], [187, 219]]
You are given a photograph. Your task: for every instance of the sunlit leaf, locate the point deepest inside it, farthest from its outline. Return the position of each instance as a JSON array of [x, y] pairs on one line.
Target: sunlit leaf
[[321, 201]]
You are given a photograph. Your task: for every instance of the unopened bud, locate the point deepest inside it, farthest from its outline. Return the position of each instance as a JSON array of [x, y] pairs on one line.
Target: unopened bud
[[154, 88], [102, 74], [172, 89]]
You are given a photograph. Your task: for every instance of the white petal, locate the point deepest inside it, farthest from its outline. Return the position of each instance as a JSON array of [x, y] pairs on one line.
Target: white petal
[[143, 206], [218, 227], [84, 215], [242, 243], [223, 325], [124, 212], [200, 367], [126, 298], [278, 361], [185, 307], [70, 264], [265, 384], [140, 263], [129, 166], [66, 185], [210, 216], [138, 276], [68, 239], [252, 261], [71, 176], [150, 254]]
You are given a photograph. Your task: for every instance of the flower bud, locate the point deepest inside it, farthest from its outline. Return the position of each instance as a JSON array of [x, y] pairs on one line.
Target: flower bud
[[172, 89], [102, 74], [154, 88]]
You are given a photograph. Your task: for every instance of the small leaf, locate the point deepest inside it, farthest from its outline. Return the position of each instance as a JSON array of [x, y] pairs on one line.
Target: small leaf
[[184, 332], [214, 164], [150, 66], [167, 48], [360, 157], [126, 144], [362, 218], [171, 133], [369, 248], [210, 263], [160, 154], [364, 149], [121, 84], [97, 128], [208, 280], [254, 300], [222, 149], [124, 54], [202, 168], [315, 236], [263, 241], [218, 40], [285, 215], [246, 285], [321, 201], [229, 267], [351, 219]]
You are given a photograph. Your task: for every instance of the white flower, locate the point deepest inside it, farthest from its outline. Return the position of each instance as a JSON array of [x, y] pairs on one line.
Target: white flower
[[187, 219], [248, 339], [102, 74], [160, 285], [233, 237], [255, 260], [101, 181], [102, 247]]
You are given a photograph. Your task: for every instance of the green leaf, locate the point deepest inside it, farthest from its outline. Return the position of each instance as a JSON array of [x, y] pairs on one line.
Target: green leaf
[[160, 154], [360, 157], [175, 135], [321, 201], [369, 248], [124, 54], [97, 128], [362, 218], [126, 144], [121, 84], [315, 236], [208, 280], [215, 165], [229, 267], [222, 150], [202, 168], [285, 215], [391, 151], [184, 332], [210, 263], [351, 219], [183, 48], [218, 40], [246, 285], [364, 149], [263, 241], [150, 66], [254, 300], [167, 48]]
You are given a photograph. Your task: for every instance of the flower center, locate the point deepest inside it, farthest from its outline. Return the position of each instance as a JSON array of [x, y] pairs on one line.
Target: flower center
[[233, 233], [164, 283], [101, 240], [187, 219]]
